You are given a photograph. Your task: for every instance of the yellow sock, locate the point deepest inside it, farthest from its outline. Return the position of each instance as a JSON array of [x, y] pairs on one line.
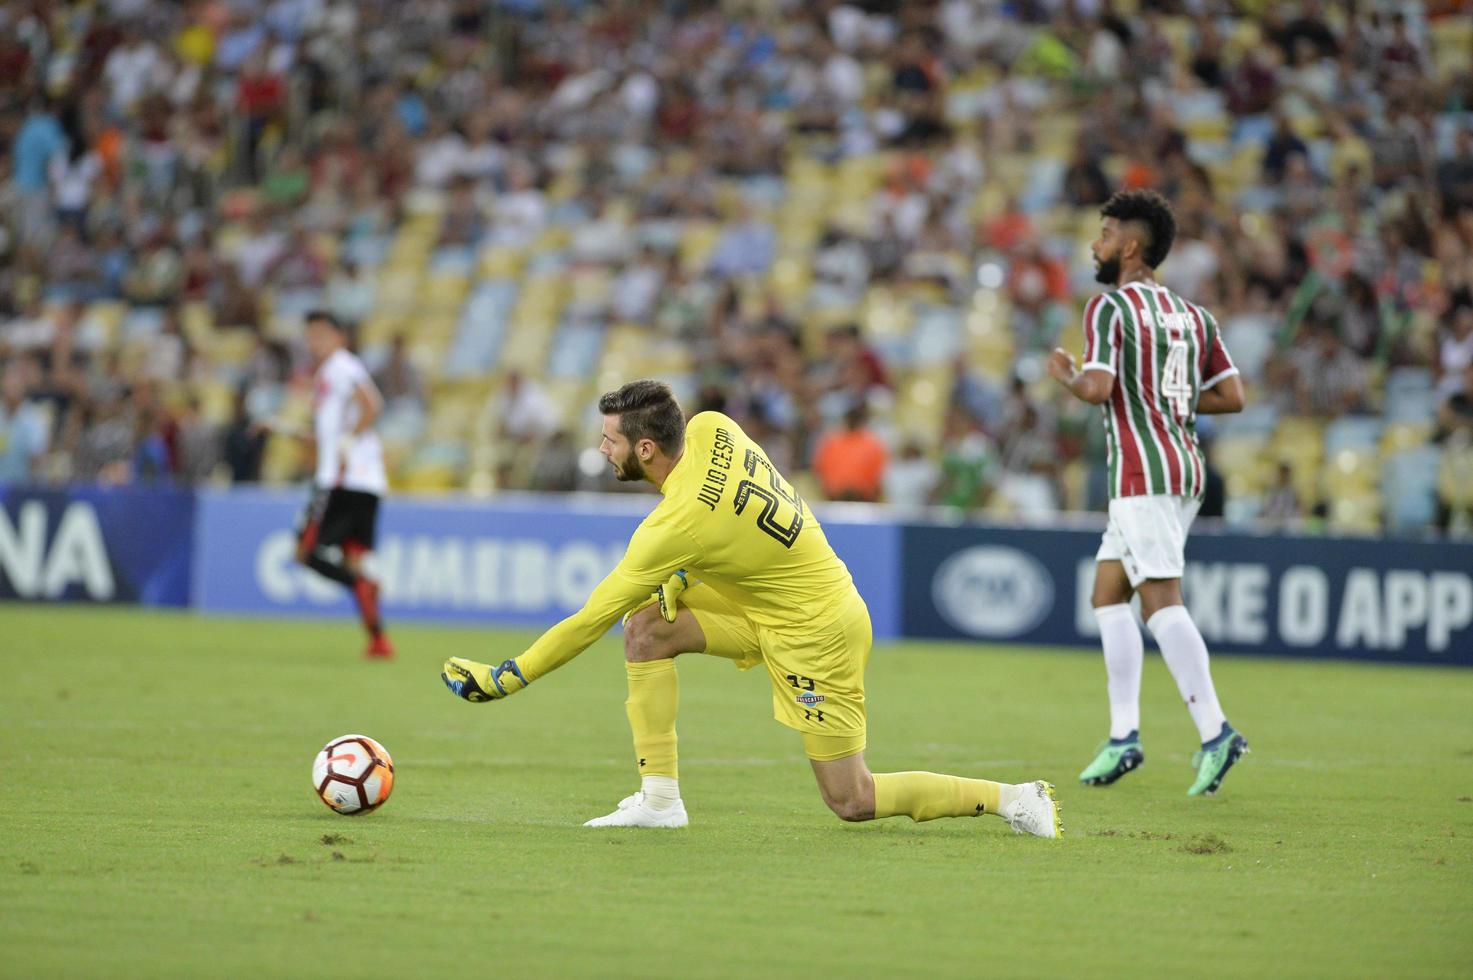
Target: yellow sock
[[654, 697], [928, 795]]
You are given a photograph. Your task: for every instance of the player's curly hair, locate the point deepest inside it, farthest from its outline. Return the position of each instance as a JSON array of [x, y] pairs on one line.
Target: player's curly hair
[[1150, 209], [647, 410]]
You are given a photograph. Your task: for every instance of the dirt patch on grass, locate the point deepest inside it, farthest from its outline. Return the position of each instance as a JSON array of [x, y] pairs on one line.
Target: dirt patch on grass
[[1206, 844], [1133, 834]]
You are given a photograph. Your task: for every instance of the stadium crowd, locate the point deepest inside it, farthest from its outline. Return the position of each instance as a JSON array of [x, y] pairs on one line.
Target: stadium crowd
[[856, 227]]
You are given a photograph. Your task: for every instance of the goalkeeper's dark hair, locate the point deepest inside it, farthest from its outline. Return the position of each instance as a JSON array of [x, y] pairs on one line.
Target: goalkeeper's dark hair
[[647, 410], [1151, 210]]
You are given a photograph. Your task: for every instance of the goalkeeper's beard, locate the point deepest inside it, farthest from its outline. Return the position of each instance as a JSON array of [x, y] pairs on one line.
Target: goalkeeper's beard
[[629, 469]]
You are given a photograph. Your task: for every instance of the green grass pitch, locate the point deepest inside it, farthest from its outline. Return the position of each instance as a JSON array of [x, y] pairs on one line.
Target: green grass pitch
[[157, 818]]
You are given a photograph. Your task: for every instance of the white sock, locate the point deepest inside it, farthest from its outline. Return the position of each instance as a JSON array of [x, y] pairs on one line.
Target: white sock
[[1124, 652], [1185, 653], [660, 792]]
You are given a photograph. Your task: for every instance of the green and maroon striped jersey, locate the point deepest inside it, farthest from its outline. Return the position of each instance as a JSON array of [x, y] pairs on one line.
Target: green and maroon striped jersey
[[1164, 352]]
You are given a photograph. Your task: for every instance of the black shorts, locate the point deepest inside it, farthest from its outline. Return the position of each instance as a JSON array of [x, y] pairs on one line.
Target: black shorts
[[336, 518]]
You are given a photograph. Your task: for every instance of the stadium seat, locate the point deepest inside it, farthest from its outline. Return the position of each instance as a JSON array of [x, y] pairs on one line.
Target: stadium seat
[[1409, 486], [1349, 470], [1452, 46], [1251, 340], [231, 346], [1355, 512], [1244, 461], [1455, 478], [501, 262], [284, 460], [576, 349], [484, 321], [1409, 396], [140, 323], [1354, 432], [368, 251], [937, 337], [1404, 435]]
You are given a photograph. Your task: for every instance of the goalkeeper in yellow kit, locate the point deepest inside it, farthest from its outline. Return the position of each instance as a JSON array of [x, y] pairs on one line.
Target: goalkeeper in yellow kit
[[732, 563]]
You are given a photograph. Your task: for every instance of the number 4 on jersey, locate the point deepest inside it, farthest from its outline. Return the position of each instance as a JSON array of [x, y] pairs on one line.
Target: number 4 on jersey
[[1176, 383]]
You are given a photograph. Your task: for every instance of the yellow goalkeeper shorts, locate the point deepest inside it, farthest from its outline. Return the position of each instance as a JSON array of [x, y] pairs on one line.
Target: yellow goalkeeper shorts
[[816, 669]]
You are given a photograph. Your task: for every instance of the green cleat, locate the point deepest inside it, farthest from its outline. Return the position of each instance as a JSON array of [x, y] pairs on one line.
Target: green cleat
[[1215, 758], [1115, 758]]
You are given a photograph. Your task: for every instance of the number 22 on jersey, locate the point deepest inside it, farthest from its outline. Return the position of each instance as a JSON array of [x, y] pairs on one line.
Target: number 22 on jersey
[[772, 495]]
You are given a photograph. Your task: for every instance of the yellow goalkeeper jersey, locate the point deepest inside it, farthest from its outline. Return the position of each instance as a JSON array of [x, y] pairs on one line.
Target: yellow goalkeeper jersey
[[730, 520]]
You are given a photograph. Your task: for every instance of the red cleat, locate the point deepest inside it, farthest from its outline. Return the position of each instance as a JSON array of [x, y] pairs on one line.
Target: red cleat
[[379, 648]]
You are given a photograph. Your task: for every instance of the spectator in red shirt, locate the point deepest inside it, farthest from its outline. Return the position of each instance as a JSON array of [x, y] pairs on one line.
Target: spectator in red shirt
[[260, 95], [853, 364]]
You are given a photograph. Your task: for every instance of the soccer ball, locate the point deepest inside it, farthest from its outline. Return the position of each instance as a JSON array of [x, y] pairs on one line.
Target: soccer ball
[[353, 774]]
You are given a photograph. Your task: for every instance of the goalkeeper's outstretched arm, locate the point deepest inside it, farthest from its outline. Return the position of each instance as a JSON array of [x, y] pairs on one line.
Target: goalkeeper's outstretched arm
[[655, 554]]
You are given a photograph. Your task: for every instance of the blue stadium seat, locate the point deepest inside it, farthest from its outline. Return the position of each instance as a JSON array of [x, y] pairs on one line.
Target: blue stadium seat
[[482, 328], [453, 258], [368, 251], [1352, 432], [576, 349], [1409, 487], [1259, 418]]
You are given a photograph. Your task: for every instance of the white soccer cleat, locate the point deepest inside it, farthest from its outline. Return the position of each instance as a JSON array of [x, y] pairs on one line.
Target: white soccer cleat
[[1034, 811], [634, 812]]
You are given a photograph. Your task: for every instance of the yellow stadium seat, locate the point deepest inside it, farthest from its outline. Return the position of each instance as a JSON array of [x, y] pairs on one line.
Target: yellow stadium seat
[[1246, 36], [1307, 127], [1452, 46], [1208, 129], [216, 401], [697, 242], [925, 395], [1455, 478], [1233, 454], [1299, 440], [327, 245], [427, 478], [453, 418], [564, 186], [445, 291], [573, 399], [552, 239], [790, 280], [197, 320], [284, 459], [1404, 435], [424, 202], [1355, 512], [380, 327], [1350, 472], [105, 319], [399, 289], [500, 262], [884, 314], [231, 346], [1180, 35]]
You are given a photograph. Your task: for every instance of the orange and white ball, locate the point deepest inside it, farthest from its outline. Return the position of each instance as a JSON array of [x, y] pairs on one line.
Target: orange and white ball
[[353, 774]]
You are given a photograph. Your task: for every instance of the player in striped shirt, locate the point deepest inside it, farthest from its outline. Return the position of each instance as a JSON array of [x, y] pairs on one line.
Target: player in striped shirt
[[1153, 362]]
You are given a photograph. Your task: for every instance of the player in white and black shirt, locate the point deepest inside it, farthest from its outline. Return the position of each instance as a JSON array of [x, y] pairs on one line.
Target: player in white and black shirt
[[337, 531]]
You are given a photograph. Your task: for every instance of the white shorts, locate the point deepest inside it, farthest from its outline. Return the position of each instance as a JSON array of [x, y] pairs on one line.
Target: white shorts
[[1148, 535]]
